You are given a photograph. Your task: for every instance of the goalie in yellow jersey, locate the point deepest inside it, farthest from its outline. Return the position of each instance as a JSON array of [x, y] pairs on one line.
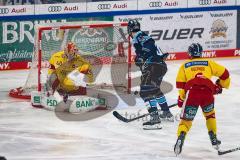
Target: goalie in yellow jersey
[[66, 83], [67, 71]]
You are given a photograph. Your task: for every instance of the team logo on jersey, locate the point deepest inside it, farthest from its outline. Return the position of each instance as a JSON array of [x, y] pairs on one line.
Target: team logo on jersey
[[59, 63], [219, 29], [196, 63]]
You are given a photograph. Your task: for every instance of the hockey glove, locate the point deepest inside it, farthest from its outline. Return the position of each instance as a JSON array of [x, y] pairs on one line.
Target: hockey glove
[[164, 56], [77, 78], [218, 87], [139, 61], [180, 102]]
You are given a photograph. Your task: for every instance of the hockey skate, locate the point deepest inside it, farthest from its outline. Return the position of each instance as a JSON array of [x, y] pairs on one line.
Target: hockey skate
[[154, 122], [167, 115], [2, 158], [179, 144], [213, 138]]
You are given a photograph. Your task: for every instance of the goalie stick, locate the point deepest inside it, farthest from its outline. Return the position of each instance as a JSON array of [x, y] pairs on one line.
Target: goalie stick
[[126, 120], [228, 151]]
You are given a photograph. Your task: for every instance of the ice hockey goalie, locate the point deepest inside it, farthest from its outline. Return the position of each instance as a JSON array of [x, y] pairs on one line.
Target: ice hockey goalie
[[66, 78]]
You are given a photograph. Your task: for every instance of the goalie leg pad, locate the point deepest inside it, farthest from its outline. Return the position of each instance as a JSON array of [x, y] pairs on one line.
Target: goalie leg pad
[[83, 104], [36, 99], [41, 100], [78, 104]]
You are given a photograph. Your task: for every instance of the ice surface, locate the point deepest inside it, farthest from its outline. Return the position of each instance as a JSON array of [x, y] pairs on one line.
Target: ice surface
[[27, 133]]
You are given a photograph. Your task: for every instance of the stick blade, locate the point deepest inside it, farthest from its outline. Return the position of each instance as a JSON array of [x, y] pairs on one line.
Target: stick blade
[[118, 116], [220, 153]]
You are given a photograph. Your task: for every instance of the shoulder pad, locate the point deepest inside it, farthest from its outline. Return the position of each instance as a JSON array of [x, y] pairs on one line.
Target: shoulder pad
[[141, 37]]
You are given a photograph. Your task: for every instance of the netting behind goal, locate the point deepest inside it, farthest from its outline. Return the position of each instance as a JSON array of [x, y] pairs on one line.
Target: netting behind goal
[[105, 45]]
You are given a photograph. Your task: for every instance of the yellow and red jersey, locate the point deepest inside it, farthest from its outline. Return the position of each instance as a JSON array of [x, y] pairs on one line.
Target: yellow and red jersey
[[61, 66], [199, 71]]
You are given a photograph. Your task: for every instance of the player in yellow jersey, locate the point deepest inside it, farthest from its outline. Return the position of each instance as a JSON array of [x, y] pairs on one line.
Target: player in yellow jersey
[[67, 71], [66, 83], [196, 89]]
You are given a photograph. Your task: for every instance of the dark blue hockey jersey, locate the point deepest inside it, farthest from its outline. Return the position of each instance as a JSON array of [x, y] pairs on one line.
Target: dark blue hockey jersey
[[145, 48]]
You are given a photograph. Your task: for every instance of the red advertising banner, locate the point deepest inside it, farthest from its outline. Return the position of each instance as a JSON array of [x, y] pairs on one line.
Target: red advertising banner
[[172, 56]]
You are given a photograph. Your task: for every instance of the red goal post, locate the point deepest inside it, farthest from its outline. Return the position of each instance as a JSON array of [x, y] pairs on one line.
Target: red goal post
[[103, 44]]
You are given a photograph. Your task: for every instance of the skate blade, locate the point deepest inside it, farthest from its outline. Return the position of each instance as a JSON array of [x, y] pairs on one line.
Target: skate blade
[[152, 127], [177, 149]]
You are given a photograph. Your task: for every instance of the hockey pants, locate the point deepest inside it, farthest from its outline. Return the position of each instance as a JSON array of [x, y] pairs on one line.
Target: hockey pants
[[198, 96]]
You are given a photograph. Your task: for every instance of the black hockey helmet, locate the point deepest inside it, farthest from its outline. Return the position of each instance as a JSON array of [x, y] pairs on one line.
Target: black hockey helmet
[[195, 50], [133, 26]]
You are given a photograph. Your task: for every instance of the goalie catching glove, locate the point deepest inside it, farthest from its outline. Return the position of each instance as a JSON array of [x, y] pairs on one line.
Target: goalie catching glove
[[77, 76]]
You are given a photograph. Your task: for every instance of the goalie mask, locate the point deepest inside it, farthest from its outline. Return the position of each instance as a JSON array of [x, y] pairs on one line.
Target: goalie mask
[[133, 26], [195, 50], [71, 50]]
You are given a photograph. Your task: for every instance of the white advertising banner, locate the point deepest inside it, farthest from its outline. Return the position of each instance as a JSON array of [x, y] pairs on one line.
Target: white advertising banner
[[175, 32], [210, 3], [16, 10], [108, 6], [60, 8], [238, 2], [161, 4]]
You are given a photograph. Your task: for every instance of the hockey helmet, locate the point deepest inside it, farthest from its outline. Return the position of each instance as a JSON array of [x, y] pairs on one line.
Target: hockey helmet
[[133, 26], [71, 50], [195, 50]]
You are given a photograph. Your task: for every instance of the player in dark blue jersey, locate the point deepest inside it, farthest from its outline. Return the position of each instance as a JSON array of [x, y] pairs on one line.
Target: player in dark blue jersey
[[150, 60]]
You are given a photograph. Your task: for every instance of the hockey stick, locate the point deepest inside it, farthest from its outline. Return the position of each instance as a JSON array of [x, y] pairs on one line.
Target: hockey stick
[[228, 151], [126, 120]]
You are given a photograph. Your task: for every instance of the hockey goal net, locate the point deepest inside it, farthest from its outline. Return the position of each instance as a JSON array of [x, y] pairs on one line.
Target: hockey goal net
[[105, 45]]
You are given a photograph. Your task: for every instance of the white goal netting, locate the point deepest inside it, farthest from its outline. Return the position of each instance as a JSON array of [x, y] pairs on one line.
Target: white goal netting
[[104, 44]]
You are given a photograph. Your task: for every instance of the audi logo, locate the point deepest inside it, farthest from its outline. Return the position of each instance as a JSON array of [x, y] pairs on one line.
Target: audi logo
[[155, 4], [204, 2], [104, 6], [4, 10], [54, 9]]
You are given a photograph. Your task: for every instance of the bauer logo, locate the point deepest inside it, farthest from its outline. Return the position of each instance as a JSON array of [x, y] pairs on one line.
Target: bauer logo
[[54, 9], [204, 2], [171, 34], [104, 6], [4, 11], [219, 29], [157, 4]]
